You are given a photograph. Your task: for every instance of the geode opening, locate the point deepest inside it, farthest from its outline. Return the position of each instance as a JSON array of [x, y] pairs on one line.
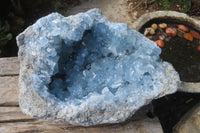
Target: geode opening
[[85, 70], [78, 63]]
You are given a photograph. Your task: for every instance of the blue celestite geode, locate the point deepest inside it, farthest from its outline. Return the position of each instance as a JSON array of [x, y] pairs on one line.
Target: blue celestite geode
[[85, 70]]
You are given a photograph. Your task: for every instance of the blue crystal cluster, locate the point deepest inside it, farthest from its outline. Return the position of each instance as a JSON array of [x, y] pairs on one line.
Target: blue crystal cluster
[[91, 71]]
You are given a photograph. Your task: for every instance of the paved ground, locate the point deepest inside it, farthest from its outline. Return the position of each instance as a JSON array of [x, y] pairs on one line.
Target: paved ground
[[115, 10]]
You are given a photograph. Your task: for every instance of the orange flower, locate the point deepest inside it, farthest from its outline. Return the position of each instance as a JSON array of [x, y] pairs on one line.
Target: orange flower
[[198, 48], [183, 28], [171, 31], [160, 43], [195, 34], [188, 36]]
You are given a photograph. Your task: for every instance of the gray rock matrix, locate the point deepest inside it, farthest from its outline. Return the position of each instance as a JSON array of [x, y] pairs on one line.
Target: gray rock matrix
[[85, 70]]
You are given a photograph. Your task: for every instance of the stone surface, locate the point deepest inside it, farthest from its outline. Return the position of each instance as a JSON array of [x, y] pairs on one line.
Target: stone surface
[[114, 10], [137, 25], [190, 123], [190, 87], [85, 70]]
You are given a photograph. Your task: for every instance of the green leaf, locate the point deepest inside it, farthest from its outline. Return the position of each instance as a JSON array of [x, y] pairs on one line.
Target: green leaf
[[5, 28], [9, 36], [166, 4], [22, 21], [5, 37]]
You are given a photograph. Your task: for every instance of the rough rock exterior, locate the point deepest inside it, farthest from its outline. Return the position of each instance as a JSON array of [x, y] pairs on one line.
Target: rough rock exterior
[[85, 70]]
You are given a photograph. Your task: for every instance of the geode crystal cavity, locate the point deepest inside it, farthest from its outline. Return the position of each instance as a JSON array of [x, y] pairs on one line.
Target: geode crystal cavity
[[85, 70]]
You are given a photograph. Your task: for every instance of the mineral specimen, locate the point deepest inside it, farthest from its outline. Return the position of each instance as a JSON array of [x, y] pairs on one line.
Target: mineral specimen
[[85, 70]]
